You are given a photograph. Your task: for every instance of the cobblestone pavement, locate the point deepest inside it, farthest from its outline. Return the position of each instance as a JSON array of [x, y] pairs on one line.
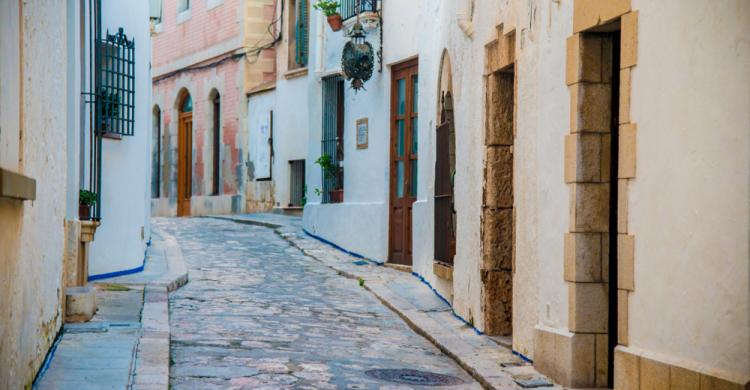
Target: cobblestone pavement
[[257, 313]]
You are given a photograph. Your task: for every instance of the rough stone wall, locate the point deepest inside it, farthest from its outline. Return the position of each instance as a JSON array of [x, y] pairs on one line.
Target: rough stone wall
[[498, 217], [32, 233]]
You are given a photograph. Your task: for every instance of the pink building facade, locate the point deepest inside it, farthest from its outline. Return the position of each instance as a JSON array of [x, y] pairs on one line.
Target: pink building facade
[[201, 74]]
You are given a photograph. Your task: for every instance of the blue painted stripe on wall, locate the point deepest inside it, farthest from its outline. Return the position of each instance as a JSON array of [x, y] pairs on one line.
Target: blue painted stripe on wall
[[124, 272], [357, 255]]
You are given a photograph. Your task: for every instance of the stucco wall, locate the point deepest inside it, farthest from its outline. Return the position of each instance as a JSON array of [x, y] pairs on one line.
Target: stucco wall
[[121, 238], [226, 79], [260, 194], [31, 233], [201, 32], [689, 201], [542, 198]]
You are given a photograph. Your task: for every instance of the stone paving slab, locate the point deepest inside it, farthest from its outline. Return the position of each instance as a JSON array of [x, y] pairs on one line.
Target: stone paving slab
[[98, 355], [126, 344], [259, 314], [417, 305]]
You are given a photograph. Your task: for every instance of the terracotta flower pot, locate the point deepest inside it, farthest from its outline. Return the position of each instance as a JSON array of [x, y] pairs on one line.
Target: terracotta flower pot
[[336, 196], [335, 22], [84, 212]]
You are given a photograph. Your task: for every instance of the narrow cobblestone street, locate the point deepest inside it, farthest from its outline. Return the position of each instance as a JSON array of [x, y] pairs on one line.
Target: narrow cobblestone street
[[257, 313]]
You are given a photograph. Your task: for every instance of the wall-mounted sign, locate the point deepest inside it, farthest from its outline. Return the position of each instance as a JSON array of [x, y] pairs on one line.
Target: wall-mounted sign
[[362, 133]]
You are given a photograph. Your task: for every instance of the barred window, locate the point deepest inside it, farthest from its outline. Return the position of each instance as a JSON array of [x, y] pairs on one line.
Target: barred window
[[116, 94]]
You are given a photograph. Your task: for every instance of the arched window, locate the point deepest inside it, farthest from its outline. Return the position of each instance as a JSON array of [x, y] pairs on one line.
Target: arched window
[[445, 170], [187, 104], [156, 153], [216, 147]]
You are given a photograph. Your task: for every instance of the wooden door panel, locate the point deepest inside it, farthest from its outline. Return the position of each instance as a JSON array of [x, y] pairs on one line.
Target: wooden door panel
[[403, 161], [184, 158]]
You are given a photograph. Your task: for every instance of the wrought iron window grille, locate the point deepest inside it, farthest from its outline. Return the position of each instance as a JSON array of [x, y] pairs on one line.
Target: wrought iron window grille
[[350, 8], [116, 92]]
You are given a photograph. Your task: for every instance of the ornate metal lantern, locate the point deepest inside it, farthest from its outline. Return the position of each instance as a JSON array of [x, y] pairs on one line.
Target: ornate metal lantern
[[358, 58]]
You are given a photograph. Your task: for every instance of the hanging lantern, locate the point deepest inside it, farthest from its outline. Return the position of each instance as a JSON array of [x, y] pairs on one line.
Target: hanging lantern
[[358, 58]]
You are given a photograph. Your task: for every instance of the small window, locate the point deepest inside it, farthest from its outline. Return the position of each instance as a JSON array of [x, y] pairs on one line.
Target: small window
[[299, 26], [116, 96], [187, 105], [350, 8]]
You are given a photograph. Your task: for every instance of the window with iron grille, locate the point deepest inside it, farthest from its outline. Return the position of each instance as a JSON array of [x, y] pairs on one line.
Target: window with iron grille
[[333, 137], [350, 8], [297, 196], [116, 92]]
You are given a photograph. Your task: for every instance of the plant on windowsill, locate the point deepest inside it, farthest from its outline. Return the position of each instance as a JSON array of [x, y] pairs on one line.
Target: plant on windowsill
[[86, 199], [332, 171], [110, 103], [330, 9]]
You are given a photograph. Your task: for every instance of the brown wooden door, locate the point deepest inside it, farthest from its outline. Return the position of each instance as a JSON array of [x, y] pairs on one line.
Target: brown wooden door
[[185, 163], [403, 165]]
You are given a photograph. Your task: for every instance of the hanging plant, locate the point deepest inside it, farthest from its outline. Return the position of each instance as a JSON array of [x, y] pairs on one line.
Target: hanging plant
[[358, 58], [330, 9]]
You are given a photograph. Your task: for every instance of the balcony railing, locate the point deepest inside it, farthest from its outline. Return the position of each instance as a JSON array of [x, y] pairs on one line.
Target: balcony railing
[[350, 8]]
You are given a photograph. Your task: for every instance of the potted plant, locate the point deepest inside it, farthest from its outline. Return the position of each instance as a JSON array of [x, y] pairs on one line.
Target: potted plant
[[332, 171], [330, 9], [86, 199], [110, 103]]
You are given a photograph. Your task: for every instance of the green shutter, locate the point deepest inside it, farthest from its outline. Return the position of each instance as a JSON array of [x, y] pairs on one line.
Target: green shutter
[[301, 33]]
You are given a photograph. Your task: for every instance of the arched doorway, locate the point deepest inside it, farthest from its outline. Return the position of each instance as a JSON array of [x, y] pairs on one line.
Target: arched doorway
[[184, 155], [445, 169]]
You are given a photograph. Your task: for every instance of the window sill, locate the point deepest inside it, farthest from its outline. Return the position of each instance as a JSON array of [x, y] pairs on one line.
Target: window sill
[[295, 73], [112, 136], [369, 20], [211, 4], [183, 16], [442, 270], [16, 186]]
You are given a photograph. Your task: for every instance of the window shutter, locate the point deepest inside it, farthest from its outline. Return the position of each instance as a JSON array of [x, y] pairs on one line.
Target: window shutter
[[301, 32]]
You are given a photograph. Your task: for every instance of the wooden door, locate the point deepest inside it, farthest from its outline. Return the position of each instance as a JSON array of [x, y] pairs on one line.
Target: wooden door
[[185, 163], [403, 164]]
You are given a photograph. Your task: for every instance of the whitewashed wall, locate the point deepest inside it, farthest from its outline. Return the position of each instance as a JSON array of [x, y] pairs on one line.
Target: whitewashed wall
[[689, 200], [366, 172], [126, 164]]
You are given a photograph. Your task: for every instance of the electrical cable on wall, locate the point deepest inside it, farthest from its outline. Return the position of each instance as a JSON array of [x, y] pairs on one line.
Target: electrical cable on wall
[[237, 54]]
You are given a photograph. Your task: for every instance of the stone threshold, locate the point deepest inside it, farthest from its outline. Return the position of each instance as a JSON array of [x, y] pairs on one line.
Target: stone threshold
[[494, 366]]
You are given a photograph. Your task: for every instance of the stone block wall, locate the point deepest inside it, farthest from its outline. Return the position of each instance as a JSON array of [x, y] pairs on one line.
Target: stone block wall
[[498, 215]]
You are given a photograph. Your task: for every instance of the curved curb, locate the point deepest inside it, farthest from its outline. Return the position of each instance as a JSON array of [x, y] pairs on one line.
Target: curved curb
[[151, 369]]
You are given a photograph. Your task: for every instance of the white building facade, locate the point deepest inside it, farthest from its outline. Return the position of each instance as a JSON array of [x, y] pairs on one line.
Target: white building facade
[[123, 233], [545, 166]]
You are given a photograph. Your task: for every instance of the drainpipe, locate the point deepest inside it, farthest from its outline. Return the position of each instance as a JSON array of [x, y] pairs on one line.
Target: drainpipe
[[321, 39], [464, 17]]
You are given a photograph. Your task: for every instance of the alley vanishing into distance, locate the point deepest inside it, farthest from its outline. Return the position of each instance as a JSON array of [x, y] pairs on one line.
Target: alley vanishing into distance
[[258, 313]]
